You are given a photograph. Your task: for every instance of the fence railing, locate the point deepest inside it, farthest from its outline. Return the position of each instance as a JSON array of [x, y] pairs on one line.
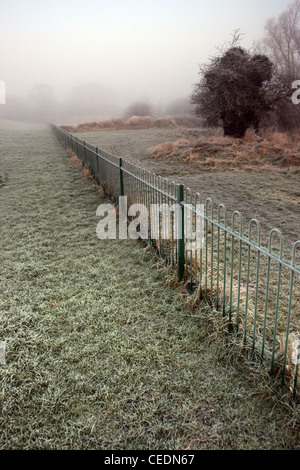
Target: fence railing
[[256, 289]]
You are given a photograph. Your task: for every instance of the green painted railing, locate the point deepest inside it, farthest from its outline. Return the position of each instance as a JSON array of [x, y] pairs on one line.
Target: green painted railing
[[256, 289]]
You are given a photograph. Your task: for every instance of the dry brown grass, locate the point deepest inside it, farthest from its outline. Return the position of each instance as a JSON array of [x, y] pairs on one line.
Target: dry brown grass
[[135, 122], [215, 153], [75, 160], [85, 171]]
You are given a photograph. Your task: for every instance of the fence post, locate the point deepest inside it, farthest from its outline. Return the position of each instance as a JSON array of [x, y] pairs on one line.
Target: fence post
[[98, 165], [122, 205], [84, 153], [121, 177], [180, 233]]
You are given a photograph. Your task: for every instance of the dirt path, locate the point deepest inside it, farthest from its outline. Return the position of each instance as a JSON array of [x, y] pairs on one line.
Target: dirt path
[[101, 351]]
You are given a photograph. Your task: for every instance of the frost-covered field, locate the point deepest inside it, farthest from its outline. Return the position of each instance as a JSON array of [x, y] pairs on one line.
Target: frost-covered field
[[238, 174], [102, 352]]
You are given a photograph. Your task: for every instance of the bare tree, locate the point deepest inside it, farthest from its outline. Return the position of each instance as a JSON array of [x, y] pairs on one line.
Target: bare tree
[[140, 108], [282, 42], [282, 45], [42, 102]]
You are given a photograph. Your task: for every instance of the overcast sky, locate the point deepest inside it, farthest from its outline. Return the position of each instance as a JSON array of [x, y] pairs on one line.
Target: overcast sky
[[137, 49]]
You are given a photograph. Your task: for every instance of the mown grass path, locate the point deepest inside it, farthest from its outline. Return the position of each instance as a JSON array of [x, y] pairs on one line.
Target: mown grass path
[[101, 352]]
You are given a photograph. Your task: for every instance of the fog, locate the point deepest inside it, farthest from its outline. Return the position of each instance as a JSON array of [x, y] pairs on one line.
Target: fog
[[69, 61]]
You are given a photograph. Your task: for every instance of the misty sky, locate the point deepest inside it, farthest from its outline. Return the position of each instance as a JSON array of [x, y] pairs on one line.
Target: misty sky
[[134, 49]]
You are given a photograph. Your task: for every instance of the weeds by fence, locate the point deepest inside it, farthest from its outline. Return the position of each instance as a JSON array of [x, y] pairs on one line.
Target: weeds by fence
[[254, 289]]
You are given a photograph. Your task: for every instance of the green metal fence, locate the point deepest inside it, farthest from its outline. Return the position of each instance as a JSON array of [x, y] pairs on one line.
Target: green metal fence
[[256, 289]]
